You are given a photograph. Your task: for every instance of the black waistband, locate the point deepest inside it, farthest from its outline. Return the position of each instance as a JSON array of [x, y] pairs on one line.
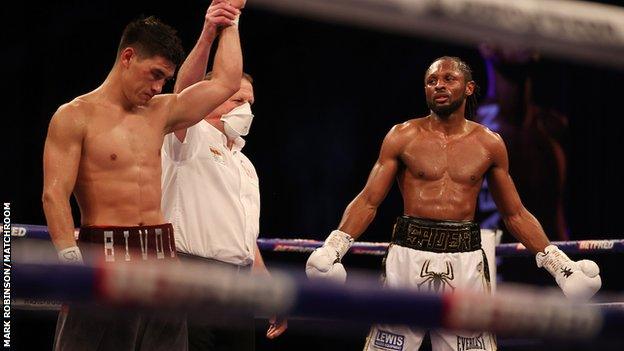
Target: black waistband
[[132, 243], [436, 236]]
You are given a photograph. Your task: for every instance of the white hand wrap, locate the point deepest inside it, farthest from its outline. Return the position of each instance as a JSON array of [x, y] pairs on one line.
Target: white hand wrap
[[324, 262], [70, 255], [578, 280]]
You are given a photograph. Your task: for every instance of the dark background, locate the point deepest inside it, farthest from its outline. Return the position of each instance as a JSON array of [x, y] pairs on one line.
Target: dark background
[[326, 94]]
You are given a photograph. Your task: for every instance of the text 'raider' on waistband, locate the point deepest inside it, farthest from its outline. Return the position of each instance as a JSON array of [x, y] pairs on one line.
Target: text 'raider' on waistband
[[436, 236]]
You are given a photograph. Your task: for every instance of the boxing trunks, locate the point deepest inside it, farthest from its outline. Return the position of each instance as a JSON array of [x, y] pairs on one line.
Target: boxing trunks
[[128, 244], [433, 256], [96, 328]]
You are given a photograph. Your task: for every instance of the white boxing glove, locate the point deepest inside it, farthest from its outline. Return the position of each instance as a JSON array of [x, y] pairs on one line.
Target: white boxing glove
[[324, 262], [70, 255], [579, 280]]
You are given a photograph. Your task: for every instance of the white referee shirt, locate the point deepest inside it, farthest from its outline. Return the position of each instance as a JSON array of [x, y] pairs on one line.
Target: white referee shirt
[[211, 195]]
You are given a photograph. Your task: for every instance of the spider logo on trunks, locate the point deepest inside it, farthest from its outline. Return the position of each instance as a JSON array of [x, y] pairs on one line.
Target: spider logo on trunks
[[436, 280]]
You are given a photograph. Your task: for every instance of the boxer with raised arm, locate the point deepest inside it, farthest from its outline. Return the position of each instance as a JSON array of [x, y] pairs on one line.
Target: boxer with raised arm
[[439, 162], [104, 147]]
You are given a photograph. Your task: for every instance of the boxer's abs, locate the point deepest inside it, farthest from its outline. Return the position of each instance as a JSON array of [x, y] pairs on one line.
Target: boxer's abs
[[127, 197], [441, 180], [118, 177], [444, 198]]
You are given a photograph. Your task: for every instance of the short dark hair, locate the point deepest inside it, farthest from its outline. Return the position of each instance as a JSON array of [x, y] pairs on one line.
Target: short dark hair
[[245, 75], [150, 37], [464, 68]]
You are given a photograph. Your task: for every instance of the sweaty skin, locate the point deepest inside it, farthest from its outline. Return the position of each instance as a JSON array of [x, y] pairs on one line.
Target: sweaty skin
[[440, 161], [104, 146]]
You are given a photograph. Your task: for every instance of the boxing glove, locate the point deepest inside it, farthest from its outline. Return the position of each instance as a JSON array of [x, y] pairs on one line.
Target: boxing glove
[[579, 280], [324, 262]]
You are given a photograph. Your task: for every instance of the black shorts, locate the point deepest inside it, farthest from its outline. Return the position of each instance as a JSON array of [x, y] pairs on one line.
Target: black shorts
[[92, 328], [99, 328]]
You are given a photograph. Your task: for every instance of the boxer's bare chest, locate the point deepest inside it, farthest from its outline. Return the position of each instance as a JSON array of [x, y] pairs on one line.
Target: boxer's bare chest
[[117, 139], [432, 157]]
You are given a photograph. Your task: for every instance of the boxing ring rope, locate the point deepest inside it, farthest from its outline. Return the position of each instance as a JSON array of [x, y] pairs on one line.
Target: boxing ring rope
[[503, 250], [579, 30], [173, 288], [374, 248], [512, 311]]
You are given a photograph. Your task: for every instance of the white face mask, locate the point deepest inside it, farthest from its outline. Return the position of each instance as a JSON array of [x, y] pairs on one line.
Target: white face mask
[[238, 121]]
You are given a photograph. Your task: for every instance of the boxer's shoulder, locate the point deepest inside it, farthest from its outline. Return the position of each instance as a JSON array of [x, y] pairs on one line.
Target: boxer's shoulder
[[492, 142], [487, 136], [73, 107], [483, 130], [161, 101], [71, 116], [408, 128]]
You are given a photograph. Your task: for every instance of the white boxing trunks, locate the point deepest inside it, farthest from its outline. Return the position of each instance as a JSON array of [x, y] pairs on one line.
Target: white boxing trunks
[[437, 256]]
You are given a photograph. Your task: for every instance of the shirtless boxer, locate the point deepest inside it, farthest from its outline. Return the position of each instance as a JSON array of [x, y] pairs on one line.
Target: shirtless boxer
[[440, 162], [104, 147]]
